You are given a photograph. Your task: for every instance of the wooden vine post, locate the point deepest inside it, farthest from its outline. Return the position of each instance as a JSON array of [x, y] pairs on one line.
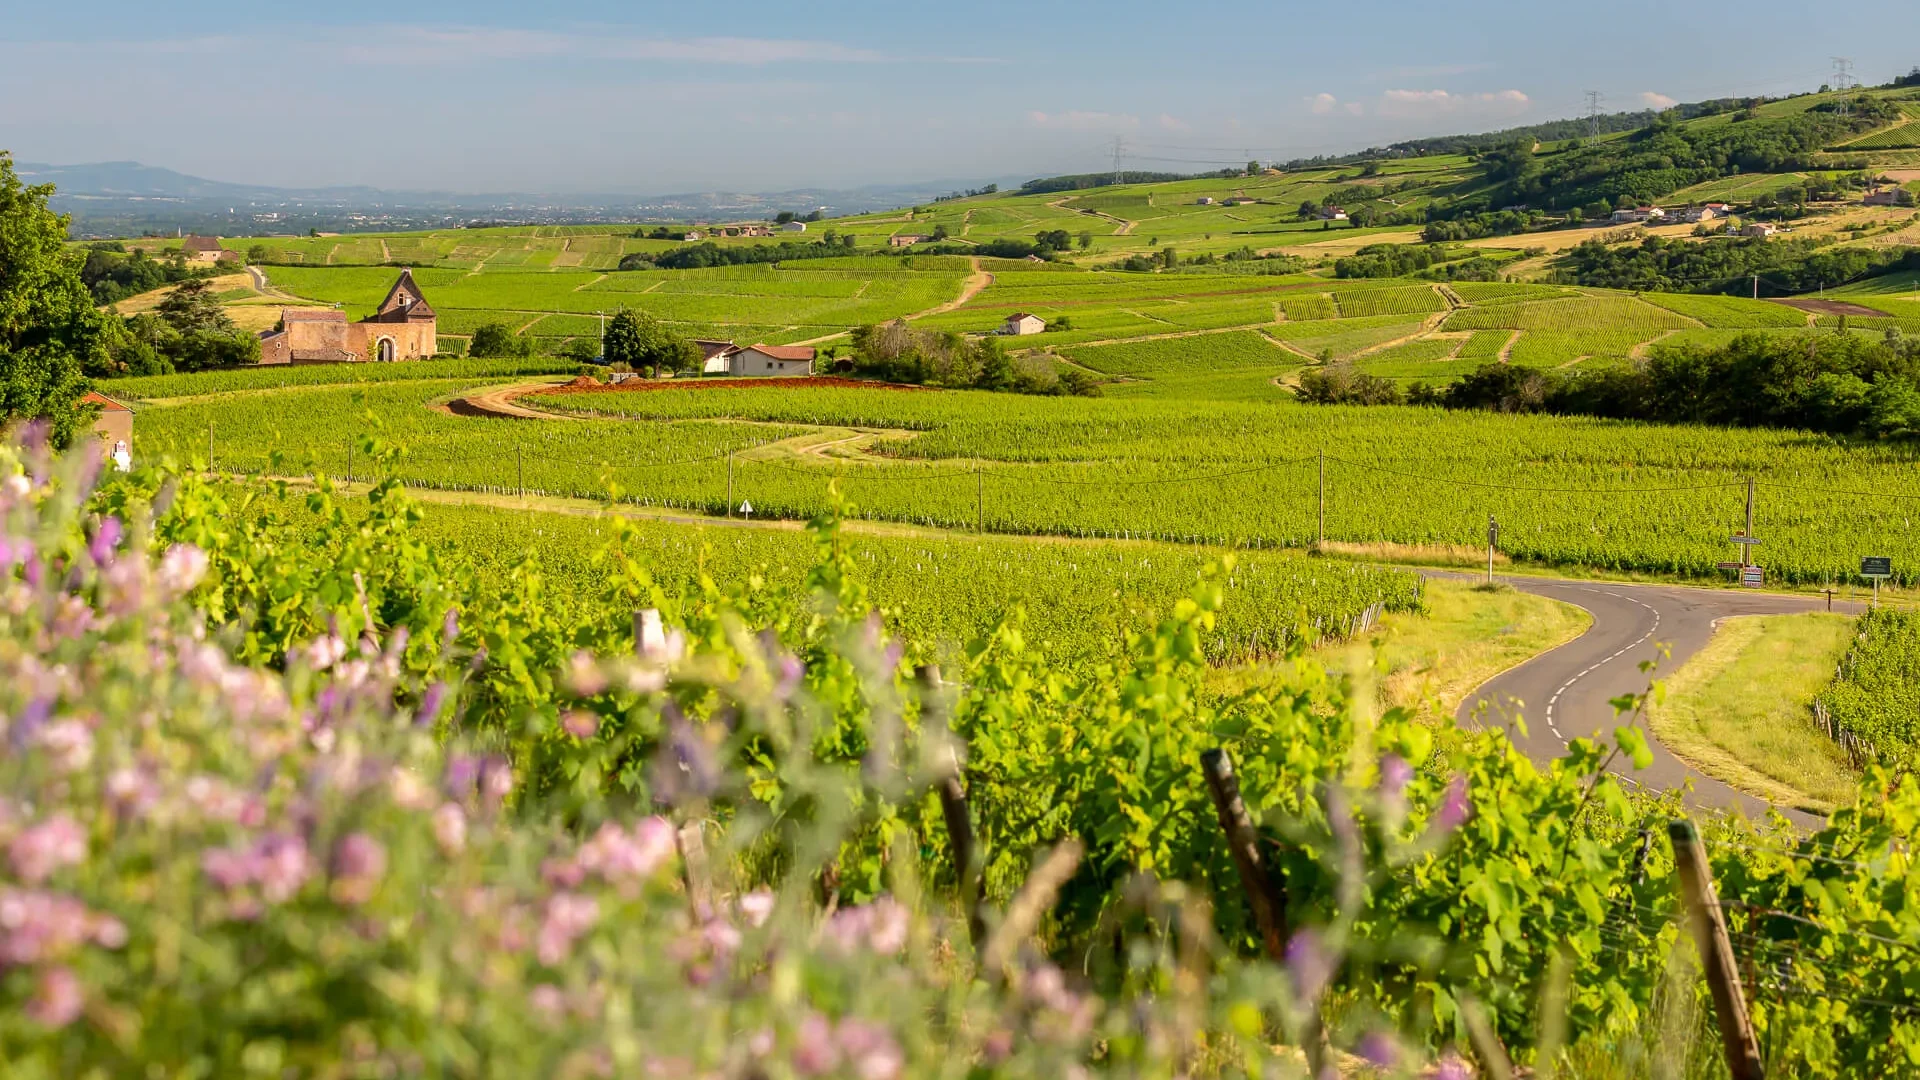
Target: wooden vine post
[[1716, 950], [1269, 904], [954, 809]]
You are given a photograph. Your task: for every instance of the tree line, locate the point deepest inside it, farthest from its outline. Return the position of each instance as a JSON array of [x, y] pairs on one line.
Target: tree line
[[897, 352], [1784, 266], [1844, 384]]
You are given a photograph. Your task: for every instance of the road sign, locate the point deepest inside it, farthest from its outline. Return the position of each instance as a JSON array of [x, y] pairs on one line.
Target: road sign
[[1745, 540], [1728, 565], [746, 507], [1876, 566], [1752, 577]]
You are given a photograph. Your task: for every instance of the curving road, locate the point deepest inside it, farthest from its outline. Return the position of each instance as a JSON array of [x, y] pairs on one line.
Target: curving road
[[1564, 694]]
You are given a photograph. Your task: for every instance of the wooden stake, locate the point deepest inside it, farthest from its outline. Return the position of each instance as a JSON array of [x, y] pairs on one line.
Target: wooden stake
[[693, 861], [1268, 902], [1710, 934], [953, 808], [1322, 541]]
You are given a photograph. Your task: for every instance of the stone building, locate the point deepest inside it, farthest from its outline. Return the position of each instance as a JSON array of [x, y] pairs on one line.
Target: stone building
[[403, 327]]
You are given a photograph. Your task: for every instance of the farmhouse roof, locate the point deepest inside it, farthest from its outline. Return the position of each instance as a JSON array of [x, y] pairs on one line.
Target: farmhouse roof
[[710, 348], [106, 403], [294, 315], [200, 243], [785, 352], [322, 356], [415, 304], [1018, 315]]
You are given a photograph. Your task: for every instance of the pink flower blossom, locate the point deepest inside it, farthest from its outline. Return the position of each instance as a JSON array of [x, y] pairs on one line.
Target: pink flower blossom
[[69, 744], [36, 926], [181, 568], [450, 828], [814, 1051], [359, 861], [618, 856], [277, 863], [584, 676], [57, 998], [579, 724], [322, 653], [41, 850], [1452, 1067], [881, 926], [1308, 965], [548, 1001], [870, 1050], [756, 907], [105, 540], [568, 916]]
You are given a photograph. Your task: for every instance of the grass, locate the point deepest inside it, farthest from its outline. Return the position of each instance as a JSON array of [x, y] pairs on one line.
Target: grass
[[1430, 662], [1739, 710]]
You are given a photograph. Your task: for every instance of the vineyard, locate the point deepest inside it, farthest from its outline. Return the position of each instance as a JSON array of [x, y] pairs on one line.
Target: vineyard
[[1567, 491], [509, 815]]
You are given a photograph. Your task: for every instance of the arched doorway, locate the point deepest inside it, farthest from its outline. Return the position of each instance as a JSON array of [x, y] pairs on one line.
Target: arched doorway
[[384, 350]]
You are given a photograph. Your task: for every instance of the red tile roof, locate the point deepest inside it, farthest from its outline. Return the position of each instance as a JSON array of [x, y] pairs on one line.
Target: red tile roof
[[200, 243], [786, 352], [106, 403]]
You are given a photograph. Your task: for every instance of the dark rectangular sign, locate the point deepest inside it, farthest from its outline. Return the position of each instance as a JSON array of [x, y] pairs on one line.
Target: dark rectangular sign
[[1876, 566]]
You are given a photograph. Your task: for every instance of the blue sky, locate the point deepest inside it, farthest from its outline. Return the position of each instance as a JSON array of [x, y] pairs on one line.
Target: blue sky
[[756, 96]]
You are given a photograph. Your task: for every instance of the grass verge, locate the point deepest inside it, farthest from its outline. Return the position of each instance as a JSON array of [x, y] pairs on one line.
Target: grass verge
[[1431, 662], [1740, 709]]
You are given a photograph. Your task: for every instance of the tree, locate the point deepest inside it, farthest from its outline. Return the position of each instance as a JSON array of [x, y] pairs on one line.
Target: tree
[[193, 308], [1086, 239], [940, 232], [582, 349], [259, 253], [50, 331], [1253, 168], [1308, 209], [497, 339], [1053, 240], [783, 217], [639, 340]]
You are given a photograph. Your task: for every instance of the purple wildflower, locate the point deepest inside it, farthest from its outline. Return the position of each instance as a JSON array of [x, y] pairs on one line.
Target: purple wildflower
[[1452, 1067], [568, 916], [431, 702], [280, 865], [580, 724], [1456, 807], [1395, 774], [450, 828], [1380, 1049], [106, 538], [450, 628], [870, 1049], [1308, 965]]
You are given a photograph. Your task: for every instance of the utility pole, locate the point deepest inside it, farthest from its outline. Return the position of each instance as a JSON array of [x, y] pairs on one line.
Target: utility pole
[[519, 472], [1322, 541], [209, 446], [1594, 97], [1119, 149], [349, 461], [729, 483], [1493, 541], [1843, 82], [1756, 286], [1709, 926], [603, 334]]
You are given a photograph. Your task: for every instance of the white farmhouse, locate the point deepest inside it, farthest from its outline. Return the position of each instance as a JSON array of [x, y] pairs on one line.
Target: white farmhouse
[[1019, 324], [766, 360]]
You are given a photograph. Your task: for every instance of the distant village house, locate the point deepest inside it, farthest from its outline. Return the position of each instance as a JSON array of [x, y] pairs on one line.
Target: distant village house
[[1637, 214], [403, 327], [1330, 213], [906, 239], [1020, 324], [794, 226], [206, 249], [1893, 196], [714, 355], [1762, 229]]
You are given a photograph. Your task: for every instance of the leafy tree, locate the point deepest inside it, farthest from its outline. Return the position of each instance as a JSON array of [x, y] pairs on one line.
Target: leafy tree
[[50, 330], [581, 349], [642, 341], [498, 339], [1053, 240], [1308, 209], [1086, 239], [996, 367], [940, 232], [783, 217], [193, 307], [1253, 168]]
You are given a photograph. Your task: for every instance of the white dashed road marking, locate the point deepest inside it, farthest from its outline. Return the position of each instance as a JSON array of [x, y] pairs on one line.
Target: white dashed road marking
[[1591, 668]]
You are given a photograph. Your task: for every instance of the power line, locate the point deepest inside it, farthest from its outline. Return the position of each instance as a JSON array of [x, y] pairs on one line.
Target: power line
[[1594, 97], [1843, 81]]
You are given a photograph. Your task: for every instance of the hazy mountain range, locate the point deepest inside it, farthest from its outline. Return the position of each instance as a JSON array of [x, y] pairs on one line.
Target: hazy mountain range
[[118, 198]]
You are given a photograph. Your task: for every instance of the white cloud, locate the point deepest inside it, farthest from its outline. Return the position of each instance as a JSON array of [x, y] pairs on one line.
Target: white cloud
[[1422, 103], [1079, 120], [1654, 100], [1322, 104], [1172, 123]]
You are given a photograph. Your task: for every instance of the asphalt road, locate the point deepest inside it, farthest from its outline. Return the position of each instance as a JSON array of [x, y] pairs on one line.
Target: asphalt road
[[1564, 694]]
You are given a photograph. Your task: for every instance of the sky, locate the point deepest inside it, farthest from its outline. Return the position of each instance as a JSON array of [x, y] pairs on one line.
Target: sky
[[751, 95]]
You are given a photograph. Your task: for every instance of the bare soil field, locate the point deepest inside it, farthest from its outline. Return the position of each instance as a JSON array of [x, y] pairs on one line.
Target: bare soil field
[[1833, 307]]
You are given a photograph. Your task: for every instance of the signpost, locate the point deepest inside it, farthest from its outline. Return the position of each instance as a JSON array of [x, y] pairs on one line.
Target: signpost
[[1877, 568], [746, 508], [1493, 541], [1752, 577]]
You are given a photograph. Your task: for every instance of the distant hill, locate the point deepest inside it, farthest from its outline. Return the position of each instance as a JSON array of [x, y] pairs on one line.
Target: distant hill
[[118, 198]]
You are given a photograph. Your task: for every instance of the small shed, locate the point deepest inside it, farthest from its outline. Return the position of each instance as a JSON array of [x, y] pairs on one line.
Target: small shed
[[1020, 324], [1204, 200], [906, 239], [794, 226], [115, 422]]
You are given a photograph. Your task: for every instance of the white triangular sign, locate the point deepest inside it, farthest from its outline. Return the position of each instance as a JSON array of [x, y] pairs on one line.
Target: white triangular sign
[[746, 507]]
